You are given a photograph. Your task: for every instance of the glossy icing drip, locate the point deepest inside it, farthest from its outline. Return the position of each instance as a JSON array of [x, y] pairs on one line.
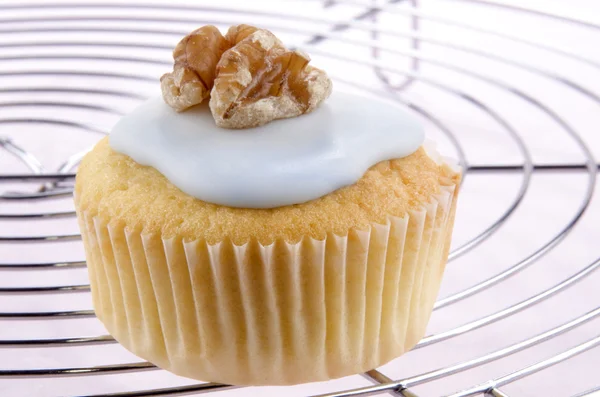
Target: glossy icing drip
[[284, 162]]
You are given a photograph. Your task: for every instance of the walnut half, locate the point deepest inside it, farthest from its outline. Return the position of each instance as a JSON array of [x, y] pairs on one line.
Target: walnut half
[[256, 80], [196, 57]]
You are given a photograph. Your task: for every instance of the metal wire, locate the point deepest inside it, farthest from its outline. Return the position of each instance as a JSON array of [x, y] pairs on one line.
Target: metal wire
[[58, 184], [588, 393], [493, 384]]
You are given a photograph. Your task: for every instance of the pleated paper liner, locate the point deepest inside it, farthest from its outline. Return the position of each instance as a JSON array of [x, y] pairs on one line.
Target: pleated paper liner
[[276, 314]]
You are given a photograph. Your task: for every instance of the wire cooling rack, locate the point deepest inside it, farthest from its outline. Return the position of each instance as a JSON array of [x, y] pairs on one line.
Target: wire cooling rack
[[509, 90]]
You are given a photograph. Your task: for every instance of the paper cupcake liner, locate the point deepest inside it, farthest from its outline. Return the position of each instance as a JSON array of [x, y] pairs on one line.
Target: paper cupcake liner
[[276, 314]]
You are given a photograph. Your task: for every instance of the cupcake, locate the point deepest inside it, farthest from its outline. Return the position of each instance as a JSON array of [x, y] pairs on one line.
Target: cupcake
[[252, 226]]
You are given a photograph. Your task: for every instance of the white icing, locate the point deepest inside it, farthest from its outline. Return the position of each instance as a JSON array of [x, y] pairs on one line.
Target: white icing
[[284, 162]]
